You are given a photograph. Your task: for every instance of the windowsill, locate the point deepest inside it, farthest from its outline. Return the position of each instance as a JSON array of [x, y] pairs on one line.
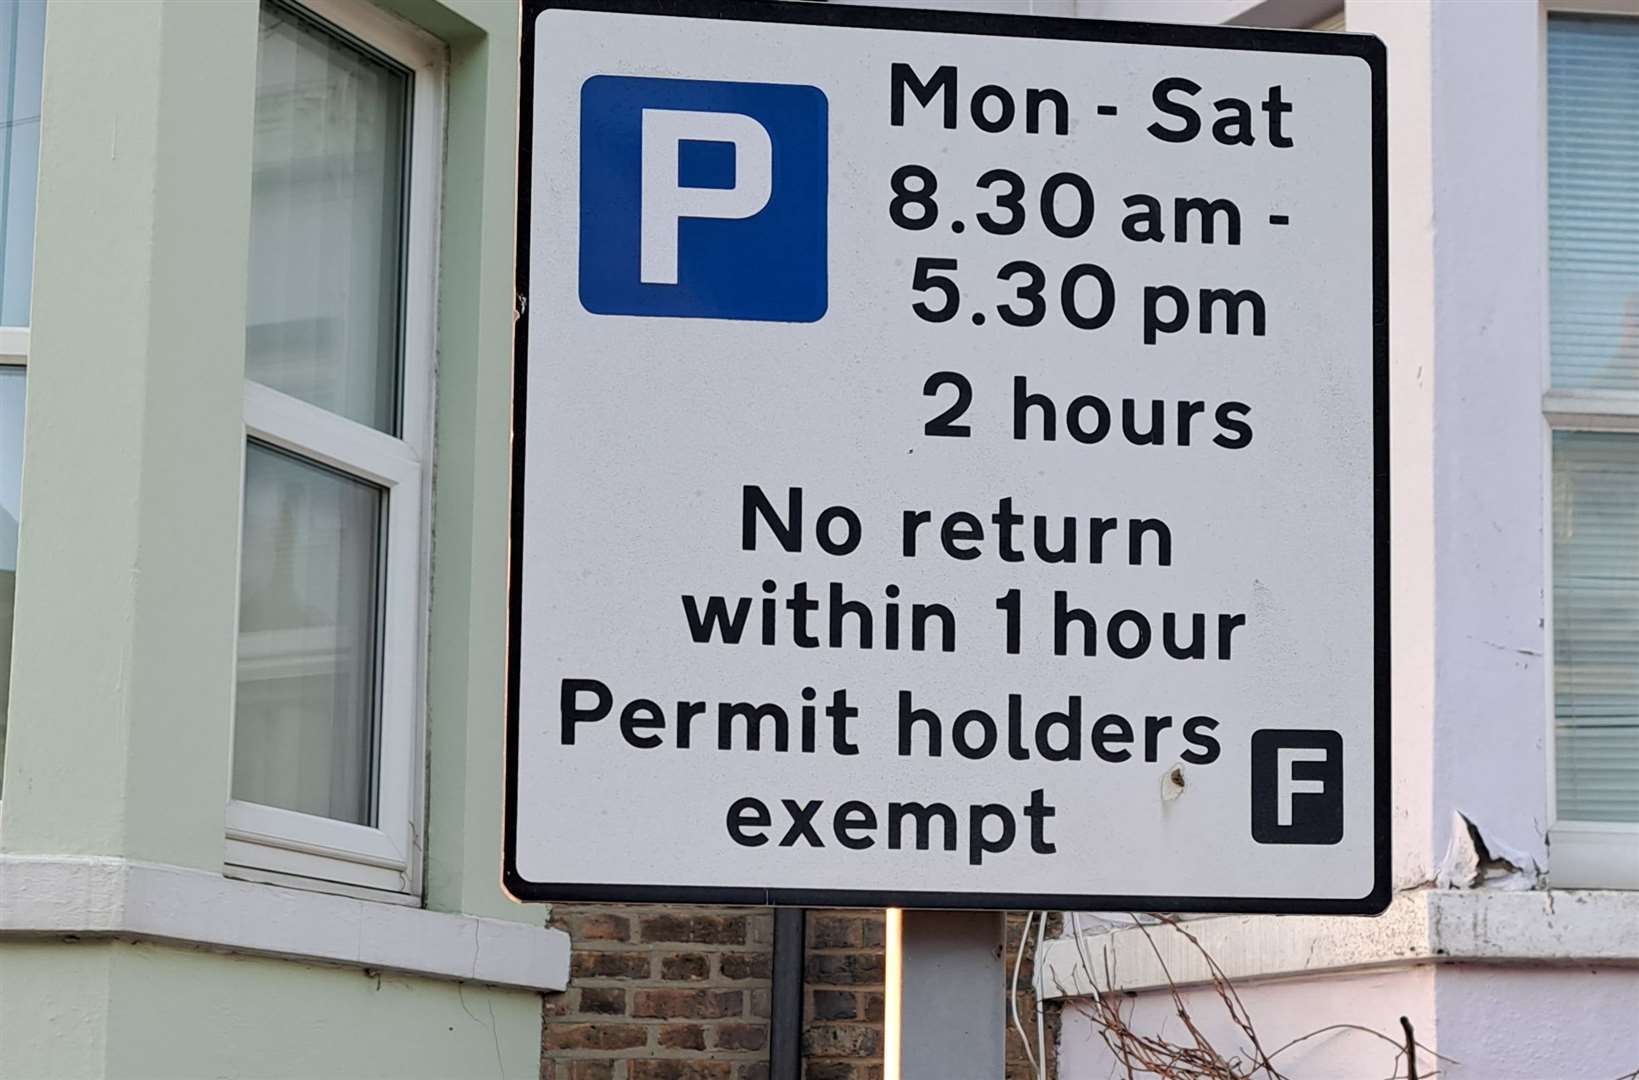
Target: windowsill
[[88, 896], [13, 344], [1420, 927], [1590, 855]]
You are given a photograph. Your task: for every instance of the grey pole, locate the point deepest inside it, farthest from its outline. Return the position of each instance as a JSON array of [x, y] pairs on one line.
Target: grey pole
[[952, 1020]]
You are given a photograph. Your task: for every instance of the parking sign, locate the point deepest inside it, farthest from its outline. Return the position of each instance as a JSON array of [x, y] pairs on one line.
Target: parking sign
[[950, 462]]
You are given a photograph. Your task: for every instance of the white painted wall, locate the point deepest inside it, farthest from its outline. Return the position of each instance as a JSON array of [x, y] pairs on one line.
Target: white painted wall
[[1490, 241], [1535, 1023]]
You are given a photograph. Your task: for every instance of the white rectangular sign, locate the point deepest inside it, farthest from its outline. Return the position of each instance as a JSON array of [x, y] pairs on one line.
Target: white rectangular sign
[[950, 462]]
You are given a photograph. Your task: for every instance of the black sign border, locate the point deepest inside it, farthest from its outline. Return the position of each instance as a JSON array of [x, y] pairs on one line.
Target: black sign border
[[1368, 49]]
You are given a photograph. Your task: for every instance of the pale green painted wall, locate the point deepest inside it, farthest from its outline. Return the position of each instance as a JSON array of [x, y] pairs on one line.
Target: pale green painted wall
[[53, 1010], [127, 583], [122, 662], [467, 649], [152, 1012]]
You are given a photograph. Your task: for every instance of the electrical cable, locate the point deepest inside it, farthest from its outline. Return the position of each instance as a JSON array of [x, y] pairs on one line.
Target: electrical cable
[[1013, 992]]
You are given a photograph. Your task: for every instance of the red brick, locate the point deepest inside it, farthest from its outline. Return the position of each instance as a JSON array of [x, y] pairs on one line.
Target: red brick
[[594, 1036], [829, 1070], [596, 926], [841, 1040], [835, 1005], [710, 1022], [834, 932], [848, 969], [688, 1004], [758, 965], [603, 1001], [695, 929], [680, 1070], [685, 967], [741, 1036], [609, 965], [683, 1036]]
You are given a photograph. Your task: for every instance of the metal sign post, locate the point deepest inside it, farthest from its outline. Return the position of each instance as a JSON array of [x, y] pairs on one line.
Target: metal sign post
[[952, 1017], [950, 470]]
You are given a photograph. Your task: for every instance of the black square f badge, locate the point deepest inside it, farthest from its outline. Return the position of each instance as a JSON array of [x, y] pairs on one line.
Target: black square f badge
[[1297, 787]]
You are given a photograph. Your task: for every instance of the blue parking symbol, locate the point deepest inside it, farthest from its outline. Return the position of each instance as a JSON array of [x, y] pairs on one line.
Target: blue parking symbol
[[703, 199]]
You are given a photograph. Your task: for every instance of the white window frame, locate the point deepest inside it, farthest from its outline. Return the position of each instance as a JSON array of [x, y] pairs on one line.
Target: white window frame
[[14, 346], [273, 844], [13, 355], [1582, 854]]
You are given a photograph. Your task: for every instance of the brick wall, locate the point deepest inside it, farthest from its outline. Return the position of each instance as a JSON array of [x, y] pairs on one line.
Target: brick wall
[[842, 996], [661, 993], [682, 993], [1018, 1065]]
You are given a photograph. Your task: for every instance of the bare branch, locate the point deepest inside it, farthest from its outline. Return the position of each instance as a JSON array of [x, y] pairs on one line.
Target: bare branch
[[1196, 1058]]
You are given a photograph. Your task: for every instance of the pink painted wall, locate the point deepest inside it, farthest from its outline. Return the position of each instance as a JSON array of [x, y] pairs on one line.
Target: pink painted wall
[[1497, 1022], [1280, 1011]]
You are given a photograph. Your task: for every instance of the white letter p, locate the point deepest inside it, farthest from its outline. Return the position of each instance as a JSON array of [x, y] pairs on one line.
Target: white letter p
[[665, 202]]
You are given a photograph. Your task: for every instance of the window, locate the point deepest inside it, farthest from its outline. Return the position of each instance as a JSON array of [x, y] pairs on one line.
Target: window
[[22, 53], [339, 364], [1593, 409]]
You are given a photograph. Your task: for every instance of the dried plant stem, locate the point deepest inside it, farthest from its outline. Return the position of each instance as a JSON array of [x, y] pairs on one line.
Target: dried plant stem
[[1196, 1058]]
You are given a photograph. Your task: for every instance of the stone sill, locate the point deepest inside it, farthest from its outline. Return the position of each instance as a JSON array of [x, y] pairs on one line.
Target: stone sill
[[91, 897], [1420, 926]]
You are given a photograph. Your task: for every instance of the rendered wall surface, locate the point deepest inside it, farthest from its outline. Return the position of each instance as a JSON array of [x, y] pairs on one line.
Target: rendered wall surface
[[53, 1010], [1280, 1011], [1494, 1022], [1532, 1023], [152, 1012]]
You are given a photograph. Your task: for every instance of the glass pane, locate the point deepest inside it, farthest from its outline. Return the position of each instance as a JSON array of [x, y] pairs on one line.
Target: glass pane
[[1593, 202], [1596, 625], [327, 221], [22, 50], [309, 604], [11, 482]]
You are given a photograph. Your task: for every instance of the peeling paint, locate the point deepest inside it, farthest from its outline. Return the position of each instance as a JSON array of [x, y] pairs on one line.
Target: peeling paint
[[1471, 861]]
